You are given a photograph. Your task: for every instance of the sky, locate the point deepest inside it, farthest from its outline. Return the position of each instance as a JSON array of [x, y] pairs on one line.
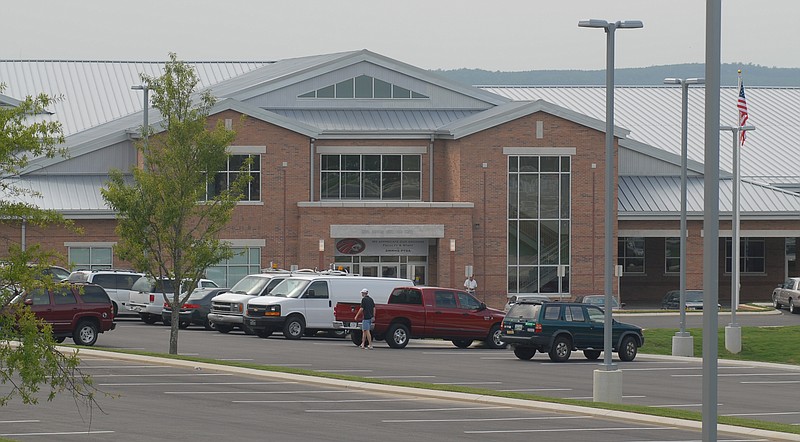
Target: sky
[[500, 35]]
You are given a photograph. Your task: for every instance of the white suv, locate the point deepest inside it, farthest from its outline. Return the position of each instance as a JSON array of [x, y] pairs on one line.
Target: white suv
[[117, 283]]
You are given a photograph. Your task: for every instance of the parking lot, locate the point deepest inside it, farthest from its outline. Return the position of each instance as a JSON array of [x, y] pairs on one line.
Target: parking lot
[[156, 402]]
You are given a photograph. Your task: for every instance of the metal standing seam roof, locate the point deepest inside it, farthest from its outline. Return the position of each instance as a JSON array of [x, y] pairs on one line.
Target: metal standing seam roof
[[653, 115], [96, 92], [68, 194], [660, 196]]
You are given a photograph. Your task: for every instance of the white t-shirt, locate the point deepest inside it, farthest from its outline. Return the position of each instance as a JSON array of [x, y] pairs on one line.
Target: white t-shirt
[[470, 285]]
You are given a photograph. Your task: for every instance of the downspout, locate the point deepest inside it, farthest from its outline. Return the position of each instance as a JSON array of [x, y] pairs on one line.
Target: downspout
[[430, 170], [311, 166], [24, 225]]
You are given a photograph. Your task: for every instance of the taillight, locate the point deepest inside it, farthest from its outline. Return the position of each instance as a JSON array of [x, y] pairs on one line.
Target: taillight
[[191, 305], [166, 305], [537, 328], [152, 298]]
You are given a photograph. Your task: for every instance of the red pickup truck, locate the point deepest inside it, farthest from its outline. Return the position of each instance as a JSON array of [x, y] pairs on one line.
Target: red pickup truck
[[426, 312]]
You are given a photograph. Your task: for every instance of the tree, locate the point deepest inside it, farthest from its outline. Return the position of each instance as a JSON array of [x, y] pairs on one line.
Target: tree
[[168, 225], [29, 358]]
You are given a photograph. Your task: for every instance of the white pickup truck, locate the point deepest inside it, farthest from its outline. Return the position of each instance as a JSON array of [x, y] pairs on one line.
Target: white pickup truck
[[147, 296], [227, 309]]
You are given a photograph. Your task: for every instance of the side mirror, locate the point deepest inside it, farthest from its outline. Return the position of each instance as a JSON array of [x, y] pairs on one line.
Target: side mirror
[[482, 307], [28, 301], [622, 305]]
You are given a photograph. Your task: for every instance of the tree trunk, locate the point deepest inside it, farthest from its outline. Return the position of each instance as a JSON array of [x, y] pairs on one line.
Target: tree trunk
[[173, 330]]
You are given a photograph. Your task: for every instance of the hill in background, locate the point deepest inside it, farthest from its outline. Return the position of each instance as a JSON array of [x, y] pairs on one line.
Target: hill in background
[[754, 75]]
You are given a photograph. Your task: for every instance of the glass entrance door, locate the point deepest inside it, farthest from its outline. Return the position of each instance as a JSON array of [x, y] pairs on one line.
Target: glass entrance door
[[390, 270], [416, 273], [369, 270]]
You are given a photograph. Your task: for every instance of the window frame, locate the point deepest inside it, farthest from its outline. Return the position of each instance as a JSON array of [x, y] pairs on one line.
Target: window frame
[[745, 260], [370, 177], [252, 192]]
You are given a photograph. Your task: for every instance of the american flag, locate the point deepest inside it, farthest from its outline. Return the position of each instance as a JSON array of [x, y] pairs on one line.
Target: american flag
[[743, 116]]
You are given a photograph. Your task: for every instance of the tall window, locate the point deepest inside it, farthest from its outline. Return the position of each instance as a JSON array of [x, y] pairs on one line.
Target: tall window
[[630, 254], [91, 258], [538, 224], [371, 177], [751, 255], [245, 261], [362, 87], [224, 178]]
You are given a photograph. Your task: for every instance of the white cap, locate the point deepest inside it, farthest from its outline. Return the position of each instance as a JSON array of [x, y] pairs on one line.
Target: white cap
[[364, 291]]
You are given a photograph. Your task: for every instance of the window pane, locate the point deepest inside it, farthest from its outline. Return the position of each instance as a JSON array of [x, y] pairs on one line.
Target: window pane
[[344, 89], [400, 92], [79, 255], [351, 162], [411, 163], [513, 192], [549, 164], [382, 89], [564, 260], [239, 256], [529, 196], [529, 242], [549, 196], [101, 255], [371, 185], [513, 240], [254, 187], [371, 162], [529, 164], [363, 86], [235, 162], [391, 162], [565, 196], [528, 280], [330, 185], [326, 92], [548, 281], [565, 165], [311, 94], [411, 186], [330, 162], [549, 242], [513, 164], [417, 95], [391, 186], [255, 165], [351, 188], [255, 256]]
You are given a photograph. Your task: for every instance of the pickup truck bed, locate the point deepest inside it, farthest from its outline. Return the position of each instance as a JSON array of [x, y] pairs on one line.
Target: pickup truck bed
[[426, 312]]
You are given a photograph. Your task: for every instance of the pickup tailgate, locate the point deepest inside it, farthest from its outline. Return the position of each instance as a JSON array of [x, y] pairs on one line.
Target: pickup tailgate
[[344, 314]]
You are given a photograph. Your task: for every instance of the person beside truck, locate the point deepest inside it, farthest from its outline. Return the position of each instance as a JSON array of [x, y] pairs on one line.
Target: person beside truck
[[368, 311]]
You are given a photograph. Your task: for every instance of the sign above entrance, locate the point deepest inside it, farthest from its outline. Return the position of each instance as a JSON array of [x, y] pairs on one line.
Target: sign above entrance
[[381, 247]]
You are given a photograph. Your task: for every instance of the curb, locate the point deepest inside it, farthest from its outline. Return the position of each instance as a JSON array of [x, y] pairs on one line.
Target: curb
[[436, 394]]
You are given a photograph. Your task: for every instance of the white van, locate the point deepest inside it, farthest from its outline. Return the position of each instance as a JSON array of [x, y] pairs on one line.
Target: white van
[[304, 304]]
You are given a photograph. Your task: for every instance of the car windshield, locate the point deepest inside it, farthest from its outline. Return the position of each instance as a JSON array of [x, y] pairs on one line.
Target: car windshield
[[600, 301], [523, 310], [199, 294], [250, 285], [694, 296], [290, 288]]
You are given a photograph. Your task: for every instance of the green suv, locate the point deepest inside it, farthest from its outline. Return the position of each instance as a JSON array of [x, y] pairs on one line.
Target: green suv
[[558, 328]]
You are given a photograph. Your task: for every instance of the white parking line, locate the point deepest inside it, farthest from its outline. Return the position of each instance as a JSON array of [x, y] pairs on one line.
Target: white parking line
[[490, 419], [680, 405], [93, 367], [63, 433], [763, 414], [335, 401], [235, 359], [522, 390], [417, 410], [166, 375], [401, 377], [344, 370], [736, 375], [682, 368], [769, 382], [263, 392], [583, 398], [146, 384], [565, 430], [25, 421], [467, 383]]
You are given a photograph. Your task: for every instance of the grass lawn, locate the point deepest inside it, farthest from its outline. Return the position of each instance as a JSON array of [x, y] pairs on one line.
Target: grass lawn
[[765, 344]]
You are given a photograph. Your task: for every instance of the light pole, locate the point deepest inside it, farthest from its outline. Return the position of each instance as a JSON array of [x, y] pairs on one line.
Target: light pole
[[453, 263], [321, 266], [733, 332], [682, 342], [608, 385], [145, 120]]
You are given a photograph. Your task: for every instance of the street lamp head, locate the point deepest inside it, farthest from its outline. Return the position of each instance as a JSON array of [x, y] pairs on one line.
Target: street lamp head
[[630, 24], [673, 81], [137, 87], [597, 23], [593, 23], [684, 81]]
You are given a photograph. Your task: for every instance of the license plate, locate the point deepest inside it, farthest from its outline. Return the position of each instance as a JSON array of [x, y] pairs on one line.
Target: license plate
[[352, 324], [510, 332], [517, 326]]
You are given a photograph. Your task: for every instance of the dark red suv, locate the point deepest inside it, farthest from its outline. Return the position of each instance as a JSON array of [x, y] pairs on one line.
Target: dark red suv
[[79, 311]]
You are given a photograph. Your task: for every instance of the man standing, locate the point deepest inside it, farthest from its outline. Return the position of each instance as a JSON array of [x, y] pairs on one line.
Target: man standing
[[368, 310], [470, 285]]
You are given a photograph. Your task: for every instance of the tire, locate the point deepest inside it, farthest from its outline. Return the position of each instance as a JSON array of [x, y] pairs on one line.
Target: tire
[[184, 324], [59, 339], [149, 319], [561, 349], [337, 334], [493, 340], [116, 308], [462, 343], [775, 304], [263, 332], [294, 327], [591, 355], [248, 330], [397, 336], [85, 333], [208, 325], [223, 328], [355, 336], [628, 349], [524, 353], [792, 308]]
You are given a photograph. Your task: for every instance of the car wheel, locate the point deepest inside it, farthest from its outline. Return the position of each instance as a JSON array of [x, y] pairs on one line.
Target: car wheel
[[337, 333], [355, 336], [85, 333], [263, 332], [462, 343], [208, 325], [397, 337], [493, 340], [792, 308], [184, 324], [591, 355], [628, 349], [224, 328], [59, 339], [116, 308], [294, 327], [561, 350], [149, 319], [524, 353], [247, 329]]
